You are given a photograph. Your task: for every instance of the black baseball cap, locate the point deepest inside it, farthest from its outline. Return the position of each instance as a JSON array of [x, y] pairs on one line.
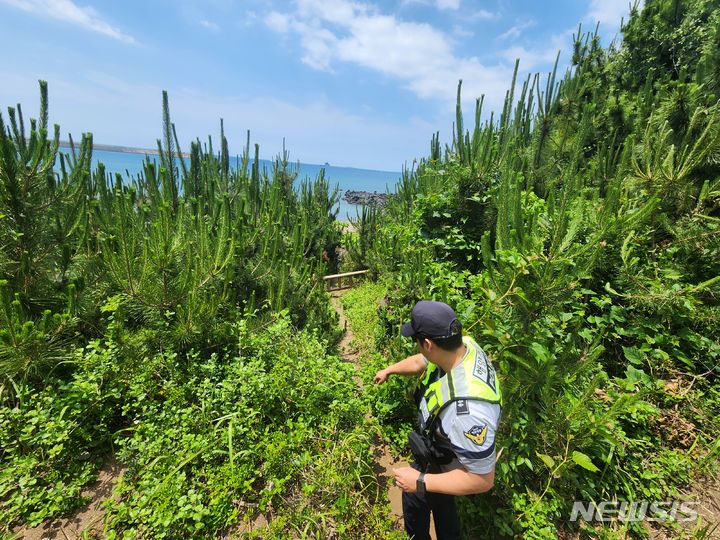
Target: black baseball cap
[[433, 320]]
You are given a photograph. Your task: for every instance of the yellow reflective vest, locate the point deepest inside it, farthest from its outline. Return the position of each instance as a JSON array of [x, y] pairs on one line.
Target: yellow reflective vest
[[473, 379]]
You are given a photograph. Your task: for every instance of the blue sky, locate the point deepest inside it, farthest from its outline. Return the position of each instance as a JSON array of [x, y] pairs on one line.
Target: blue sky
[[354, 83]]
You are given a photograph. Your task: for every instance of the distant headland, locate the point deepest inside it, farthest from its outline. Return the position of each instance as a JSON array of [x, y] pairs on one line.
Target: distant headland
[[125, 149]]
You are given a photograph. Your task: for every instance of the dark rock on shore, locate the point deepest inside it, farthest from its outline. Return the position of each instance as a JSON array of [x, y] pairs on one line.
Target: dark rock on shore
[[367, 198]]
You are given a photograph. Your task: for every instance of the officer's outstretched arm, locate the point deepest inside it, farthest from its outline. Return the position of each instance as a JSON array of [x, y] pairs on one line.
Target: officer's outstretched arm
[[412, 365], [459, 482]]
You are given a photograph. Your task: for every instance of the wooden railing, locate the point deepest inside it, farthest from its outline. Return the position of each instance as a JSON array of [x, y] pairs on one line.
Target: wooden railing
[[336, 282]]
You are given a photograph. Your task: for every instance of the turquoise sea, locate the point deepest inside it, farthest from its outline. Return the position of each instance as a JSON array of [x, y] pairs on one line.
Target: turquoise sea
[[347, 178]]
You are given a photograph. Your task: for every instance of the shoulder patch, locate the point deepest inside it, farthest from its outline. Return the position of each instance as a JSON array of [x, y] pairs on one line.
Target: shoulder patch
[[461, 407], [484, 369], [477, 434]]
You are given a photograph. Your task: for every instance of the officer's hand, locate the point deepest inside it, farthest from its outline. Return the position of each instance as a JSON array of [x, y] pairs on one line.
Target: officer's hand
[[406, 479], [381, 376]]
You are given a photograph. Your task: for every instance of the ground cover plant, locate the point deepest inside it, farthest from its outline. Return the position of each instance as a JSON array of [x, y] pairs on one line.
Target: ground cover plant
[[388, 402]]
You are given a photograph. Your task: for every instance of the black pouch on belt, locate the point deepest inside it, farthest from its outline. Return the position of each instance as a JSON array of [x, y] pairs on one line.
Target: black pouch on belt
[[422, 450]]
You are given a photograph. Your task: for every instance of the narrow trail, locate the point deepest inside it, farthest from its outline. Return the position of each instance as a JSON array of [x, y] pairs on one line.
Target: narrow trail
[[384, 462]]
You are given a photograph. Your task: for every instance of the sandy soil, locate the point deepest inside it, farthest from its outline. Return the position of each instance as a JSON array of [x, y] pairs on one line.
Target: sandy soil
[[88, 519], [706, 493]]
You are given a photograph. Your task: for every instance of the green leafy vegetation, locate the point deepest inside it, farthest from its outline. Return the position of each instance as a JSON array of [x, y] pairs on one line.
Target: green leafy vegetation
[[577, 237], [389, 401], [273, 430], [177, 321]]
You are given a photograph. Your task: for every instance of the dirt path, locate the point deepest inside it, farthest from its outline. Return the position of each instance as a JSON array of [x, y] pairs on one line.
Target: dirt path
[[88, 519], [705, 494], [384, 462]]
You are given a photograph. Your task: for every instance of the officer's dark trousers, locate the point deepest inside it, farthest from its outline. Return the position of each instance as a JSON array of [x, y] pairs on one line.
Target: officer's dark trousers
[[416, 511]]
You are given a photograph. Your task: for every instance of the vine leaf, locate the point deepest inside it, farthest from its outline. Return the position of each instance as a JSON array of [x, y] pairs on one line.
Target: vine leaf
[[584, 461]]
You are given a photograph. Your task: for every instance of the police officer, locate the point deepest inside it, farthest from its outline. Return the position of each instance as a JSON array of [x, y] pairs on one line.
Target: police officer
[[459, 412]]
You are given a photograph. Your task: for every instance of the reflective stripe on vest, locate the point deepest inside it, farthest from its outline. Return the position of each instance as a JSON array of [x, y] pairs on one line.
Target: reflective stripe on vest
[[474, 378]]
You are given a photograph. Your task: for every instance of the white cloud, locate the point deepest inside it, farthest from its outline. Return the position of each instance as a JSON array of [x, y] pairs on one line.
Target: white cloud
[[537, 56], [209, 25], [447, 4], [529, 59], [123, 112], [318, 44], [608, 12], [417, 54], [454, 5], [460, 32], [314, 132], [483, 15], [515, 31], [439, 4], [278, 22], [67, 11]]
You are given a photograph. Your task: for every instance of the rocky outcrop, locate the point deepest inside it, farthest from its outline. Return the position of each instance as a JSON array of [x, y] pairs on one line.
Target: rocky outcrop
[[366, 198]]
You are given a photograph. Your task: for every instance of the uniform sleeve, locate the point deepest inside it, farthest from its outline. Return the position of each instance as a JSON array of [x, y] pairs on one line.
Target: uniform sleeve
[[472, 436]]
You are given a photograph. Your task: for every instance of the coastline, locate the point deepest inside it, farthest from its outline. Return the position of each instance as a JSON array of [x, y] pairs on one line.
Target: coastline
[[123, 149], [154, 152], [347, 179]]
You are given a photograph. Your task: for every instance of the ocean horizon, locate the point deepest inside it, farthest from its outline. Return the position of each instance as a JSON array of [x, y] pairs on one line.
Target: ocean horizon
[[128, 163]]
